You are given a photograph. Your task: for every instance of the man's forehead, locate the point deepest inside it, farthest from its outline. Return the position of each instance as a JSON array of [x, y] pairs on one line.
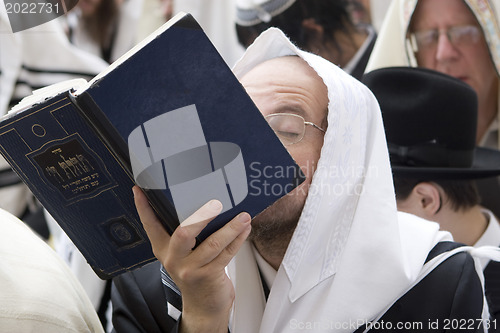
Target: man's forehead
[[286, 65], [287, 84], [426, 13]]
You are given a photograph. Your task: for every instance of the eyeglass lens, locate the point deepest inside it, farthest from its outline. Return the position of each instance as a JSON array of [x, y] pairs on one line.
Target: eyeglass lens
[[289, 128], [458, 36]]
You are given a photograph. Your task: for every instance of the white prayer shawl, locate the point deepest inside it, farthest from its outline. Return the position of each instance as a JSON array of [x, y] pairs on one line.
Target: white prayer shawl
[[393, 49], [44, 48], [38, 292], [352, 255], [34, 58]]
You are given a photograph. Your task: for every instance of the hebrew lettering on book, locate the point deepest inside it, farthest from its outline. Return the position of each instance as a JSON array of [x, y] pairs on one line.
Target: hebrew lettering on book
[[71, 168]]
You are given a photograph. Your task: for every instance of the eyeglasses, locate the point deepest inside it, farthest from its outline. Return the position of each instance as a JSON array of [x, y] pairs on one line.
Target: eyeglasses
[[289, 127], [458, 36]]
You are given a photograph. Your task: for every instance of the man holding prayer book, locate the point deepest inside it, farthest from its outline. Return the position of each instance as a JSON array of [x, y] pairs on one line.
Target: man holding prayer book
[[332, 255]]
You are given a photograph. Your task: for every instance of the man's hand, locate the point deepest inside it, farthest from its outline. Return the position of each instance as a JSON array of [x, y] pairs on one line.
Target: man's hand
[[207, 292]]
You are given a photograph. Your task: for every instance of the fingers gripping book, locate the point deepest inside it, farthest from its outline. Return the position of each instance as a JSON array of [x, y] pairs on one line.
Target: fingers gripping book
[[169, 116]]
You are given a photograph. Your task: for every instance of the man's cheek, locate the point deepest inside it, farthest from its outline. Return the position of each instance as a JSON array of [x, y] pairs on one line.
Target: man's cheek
[[301, 190]]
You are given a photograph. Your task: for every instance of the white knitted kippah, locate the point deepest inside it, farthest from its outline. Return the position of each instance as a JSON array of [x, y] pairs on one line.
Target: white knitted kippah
[[251, 12]]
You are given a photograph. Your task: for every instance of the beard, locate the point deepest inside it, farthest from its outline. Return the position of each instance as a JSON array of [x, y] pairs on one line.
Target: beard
[[272, 229]]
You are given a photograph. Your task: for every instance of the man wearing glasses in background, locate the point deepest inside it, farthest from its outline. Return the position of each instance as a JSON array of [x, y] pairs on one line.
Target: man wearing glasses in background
[[460, 38]]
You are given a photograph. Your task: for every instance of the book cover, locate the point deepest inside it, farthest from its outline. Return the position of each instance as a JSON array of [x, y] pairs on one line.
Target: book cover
[[169, 116], [79, 181]]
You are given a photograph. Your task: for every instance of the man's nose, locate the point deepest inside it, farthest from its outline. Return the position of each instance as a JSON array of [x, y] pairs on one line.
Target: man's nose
[[446, 51]]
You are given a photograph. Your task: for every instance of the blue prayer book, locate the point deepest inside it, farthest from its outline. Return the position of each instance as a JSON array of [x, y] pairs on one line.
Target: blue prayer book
[[169, 116]]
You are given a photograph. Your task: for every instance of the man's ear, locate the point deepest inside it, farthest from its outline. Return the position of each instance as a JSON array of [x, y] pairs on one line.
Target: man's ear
[[428, 197], [312, 27], [314, 33]]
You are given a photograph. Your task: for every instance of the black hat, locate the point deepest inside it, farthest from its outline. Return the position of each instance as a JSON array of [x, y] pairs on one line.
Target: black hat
[[430, 123]]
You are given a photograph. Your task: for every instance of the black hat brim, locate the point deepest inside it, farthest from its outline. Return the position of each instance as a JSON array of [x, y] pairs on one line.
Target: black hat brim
[[486, 164]]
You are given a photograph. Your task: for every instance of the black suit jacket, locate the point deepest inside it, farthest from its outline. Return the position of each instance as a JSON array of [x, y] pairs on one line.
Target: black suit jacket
[[139, 302], [449, 295], [492, 284]]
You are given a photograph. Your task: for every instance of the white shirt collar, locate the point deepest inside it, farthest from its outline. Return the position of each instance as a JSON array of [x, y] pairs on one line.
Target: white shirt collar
[[267, 271], [491, 236]]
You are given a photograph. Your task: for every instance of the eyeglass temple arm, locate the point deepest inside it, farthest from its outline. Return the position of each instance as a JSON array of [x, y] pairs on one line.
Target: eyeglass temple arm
[[314, 125]]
